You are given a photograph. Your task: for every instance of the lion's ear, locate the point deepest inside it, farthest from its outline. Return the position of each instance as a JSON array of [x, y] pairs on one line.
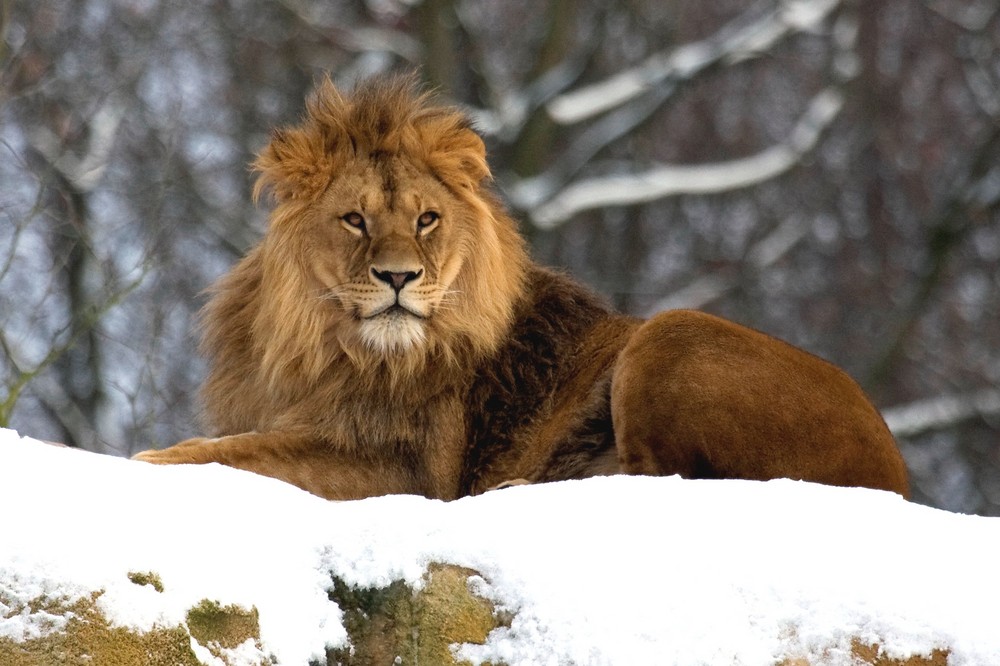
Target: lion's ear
[[457, 153], [295, 164], [471, 151]]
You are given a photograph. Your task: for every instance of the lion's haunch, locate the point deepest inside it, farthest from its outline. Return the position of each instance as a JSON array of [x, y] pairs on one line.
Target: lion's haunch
[[390, 334], [702, 397]]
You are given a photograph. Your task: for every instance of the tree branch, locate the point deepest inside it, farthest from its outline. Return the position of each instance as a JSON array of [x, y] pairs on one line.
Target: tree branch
[[943, 411], [84, 173], [667, 180], [731, 43], [76, 330]]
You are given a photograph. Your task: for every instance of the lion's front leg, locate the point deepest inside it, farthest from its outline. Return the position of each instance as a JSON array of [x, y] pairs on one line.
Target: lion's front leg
[[300, 459], [194, 451]]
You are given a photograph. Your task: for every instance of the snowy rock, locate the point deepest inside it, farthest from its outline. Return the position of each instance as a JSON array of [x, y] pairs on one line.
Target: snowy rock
[[109, 561]]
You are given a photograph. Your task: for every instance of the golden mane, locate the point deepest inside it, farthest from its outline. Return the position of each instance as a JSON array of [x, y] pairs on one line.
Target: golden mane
[[385, 117], [297, 337]]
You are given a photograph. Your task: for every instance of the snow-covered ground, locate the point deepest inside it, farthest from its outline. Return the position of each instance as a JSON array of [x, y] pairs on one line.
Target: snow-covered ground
[[605, 571]]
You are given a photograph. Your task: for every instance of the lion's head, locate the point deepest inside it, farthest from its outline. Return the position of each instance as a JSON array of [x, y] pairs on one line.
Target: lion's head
[[385, 245]]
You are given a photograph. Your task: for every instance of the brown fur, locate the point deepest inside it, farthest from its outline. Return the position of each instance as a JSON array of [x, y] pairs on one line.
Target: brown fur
[[500, 369]]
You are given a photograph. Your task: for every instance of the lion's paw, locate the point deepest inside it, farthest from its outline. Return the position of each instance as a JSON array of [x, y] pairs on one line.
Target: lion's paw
[[162, 457], [181, 454], [510, 484]]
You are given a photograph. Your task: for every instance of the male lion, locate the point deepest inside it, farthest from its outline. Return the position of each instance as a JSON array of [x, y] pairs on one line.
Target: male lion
[[389, 334]]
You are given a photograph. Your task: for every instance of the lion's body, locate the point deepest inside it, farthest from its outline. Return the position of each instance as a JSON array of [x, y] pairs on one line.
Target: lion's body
[[391, 335]]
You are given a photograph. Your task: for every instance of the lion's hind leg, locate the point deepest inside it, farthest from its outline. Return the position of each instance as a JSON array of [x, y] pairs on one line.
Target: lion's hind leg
[[703, 397]]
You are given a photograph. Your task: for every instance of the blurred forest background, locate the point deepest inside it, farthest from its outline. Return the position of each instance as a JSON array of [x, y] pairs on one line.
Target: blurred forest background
[[827, 171]]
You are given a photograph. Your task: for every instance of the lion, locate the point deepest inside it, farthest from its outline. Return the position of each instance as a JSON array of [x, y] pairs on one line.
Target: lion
[[390, 334]]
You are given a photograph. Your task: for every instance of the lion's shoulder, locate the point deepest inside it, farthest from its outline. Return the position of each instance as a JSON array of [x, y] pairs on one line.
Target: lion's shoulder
[[550, 322], [515, 386]]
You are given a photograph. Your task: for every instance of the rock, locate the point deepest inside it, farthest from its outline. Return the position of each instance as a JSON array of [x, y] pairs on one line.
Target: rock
[[79, 633], [399, 625]]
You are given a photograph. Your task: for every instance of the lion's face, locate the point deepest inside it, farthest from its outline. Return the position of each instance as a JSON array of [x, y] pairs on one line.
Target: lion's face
[[386, 244], [389, 243]]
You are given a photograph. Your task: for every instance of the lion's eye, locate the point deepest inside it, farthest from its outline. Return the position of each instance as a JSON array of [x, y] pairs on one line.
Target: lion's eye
[[354, 221], [427, 220]]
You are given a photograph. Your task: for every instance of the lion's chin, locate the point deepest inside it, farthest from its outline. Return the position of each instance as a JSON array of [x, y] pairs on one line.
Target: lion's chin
[[393, 332]]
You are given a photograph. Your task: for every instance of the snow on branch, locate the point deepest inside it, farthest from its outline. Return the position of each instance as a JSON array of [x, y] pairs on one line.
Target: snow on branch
[[529, 193], [667, 180], [513, 107], [935, 413], [358, 38], [732, 43], [971, 16]]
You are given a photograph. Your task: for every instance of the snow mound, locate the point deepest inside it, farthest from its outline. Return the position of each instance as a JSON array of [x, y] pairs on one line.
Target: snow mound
[[615, 570]]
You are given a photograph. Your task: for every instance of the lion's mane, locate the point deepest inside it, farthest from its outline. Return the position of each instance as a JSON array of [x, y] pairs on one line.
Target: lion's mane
[[273, 340]]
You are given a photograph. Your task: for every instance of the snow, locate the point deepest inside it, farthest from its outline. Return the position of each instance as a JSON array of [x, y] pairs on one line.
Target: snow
[[615, 570]]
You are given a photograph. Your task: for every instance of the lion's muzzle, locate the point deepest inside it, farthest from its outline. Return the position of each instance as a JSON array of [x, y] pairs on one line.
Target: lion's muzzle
[[397, 279]]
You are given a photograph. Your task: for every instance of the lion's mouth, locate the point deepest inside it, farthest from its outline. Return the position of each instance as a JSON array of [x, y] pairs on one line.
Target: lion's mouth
[[395, 310]]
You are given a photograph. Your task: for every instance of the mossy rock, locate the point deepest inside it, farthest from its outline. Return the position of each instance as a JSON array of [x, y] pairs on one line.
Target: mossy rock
[[226, 626], [398, 625], [865, 654], [87, 638], [146, 578]]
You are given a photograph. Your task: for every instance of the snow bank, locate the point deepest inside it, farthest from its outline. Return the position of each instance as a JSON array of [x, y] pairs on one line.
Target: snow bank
[[605, 571]]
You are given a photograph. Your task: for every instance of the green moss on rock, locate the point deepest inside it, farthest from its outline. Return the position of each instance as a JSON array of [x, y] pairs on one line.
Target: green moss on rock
[[146, 578], [390, 625], [227, 626], [80, 635], [88, 639], [397, 625]]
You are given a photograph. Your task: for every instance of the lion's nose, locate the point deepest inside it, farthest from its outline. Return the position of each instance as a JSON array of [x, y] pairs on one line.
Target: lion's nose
[[396, 279]]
